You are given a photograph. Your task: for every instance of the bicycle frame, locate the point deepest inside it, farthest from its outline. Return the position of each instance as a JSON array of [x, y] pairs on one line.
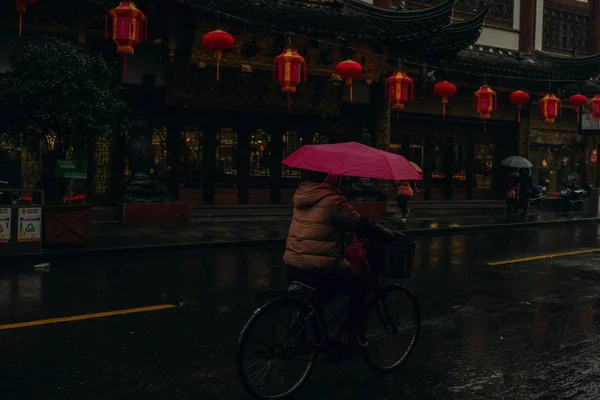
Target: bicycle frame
[[318, 309]]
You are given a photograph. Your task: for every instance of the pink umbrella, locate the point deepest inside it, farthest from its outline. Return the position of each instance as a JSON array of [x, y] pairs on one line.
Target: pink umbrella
[[352, 159]]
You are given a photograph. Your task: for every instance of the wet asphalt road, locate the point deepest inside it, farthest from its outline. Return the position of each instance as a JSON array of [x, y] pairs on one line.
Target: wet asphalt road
[[523, 331]]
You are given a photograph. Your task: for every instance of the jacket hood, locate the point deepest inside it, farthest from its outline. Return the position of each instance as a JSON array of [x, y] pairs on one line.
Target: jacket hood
[[309, 194]]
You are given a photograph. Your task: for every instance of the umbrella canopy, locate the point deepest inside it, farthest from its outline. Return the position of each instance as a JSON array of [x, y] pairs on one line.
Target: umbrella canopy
[[516, 162], [352, 159], [415, 166]]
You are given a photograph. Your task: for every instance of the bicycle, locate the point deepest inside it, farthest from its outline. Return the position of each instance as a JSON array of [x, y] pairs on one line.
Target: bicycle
[[307, 335]]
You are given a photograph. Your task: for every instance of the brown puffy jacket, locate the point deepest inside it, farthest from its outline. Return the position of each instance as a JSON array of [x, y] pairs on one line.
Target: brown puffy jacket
[[317, 236]]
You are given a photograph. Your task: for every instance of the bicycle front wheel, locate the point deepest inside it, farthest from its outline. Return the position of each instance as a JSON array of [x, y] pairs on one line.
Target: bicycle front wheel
[[276, 349], [392, 328]]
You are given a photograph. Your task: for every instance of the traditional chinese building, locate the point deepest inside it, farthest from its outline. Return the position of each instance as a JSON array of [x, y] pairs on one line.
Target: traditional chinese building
[[224, 141], [539, 46]]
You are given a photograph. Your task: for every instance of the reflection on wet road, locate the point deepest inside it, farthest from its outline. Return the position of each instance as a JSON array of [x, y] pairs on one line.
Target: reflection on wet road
[[522, 331]]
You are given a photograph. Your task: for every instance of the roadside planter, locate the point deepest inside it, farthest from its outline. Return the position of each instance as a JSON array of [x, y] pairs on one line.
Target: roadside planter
[[69, 224]]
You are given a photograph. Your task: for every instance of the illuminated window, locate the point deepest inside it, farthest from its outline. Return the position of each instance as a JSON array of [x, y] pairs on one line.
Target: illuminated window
[[227, 144], [260, 154], [292, 141], [191, 155], [484, 165], [159, 143]]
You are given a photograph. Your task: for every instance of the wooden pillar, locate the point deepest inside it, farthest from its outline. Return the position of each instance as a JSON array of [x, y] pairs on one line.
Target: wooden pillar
[[470, 167], [527, 26], [117, 166], [523, 132], [595, 26], [243, 165], [100, 168], [275, 168], [428, 167], [209, 164], [449, 170], [382, 129], [174, 156], [585, 179], [592, 143]]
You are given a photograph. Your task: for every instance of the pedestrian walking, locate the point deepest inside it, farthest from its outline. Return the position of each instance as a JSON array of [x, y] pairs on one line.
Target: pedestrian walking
[[405, 192], [512, 197], [525, 189]]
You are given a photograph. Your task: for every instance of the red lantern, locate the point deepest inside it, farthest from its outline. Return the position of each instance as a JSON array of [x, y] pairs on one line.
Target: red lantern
[[578, 100], [549, 108], [519, 98], [485, 101], [348, 70], [287, 68], [595, 109], [218, 41], [21, 9], [594, 156], [129, 28], [444, 89], [399, 89]]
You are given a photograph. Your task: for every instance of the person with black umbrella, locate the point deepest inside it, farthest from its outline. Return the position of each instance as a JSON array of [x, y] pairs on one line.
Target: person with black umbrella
[[525, 189]]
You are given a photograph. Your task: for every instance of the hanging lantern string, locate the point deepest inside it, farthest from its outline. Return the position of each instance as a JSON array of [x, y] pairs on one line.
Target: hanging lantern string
[[378, 55]]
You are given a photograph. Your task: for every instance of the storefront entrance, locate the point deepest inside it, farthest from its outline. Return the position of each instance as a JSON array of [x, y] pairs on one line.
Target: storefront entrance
[[558, 156], [239, 163], [460, 161]]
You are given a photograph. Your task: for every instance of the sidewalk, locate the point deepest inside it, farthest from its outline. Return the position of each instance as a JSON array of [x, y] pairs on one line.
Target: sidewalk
[[210, 234]]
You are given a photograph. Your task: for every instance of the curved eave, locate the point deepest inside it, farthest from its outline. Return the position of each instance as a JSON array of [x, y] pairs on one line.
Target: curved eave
[[592, 60], [442, 9], [344, 19], [527, 65], [459, 35]]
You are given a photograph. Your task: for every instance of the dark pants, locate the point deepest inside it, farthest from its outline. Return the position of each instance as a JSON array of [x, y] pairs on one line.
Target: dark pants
[[329, 283], [511, 205], [524, 204], [402, 201]]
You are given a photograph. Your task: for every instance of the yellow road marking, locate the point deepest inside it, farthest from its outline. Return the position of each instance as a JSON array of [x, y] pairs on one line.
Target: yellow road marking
[[543, 256], [84, 316]]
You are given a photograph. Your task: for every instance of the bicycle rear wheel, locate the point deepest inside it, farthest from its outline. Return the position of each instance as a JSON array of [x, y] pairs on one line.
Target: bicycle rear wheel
[[392, 328], [276, 349]]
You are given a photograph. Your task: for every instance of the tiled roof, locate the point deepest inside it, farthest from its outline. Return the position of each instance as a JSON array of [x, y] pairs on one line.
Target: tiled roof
[[538, 65], [347, 19]]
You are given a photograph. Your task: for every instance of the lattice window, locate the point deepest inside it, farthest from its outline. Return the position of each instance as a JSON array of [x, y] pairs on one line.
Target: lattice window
[[567, 30]]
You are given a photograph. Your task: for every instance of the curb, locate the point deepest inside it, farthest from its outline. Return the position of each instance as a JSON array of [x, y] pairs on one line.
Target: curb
[[153, 249], [87, 253], [503, 227]]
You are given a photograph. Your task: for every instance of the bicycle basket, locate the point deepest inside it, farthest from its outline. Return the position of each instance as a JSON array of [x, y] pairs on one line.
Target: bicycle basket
[[393, 261]]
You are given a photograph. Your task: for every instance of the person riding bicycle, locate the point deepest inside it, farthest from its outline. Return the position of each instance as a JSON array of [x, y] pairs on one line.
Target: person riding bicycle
[[316, 246]]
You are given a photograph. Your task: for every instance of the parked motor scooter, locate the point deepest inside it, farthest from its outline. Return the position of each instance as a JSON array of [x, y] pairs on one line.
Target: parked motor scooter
[[539, 193], [572, 196]]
